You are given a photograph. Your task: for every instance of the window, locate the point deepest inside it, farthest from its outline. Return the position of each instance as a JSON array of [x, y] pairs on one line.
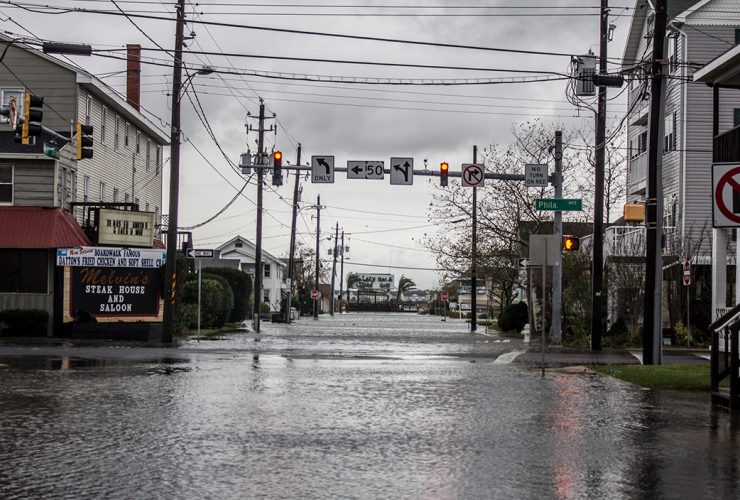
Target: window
[[266, 295], [157, 222], [148, 153], [86, 188], [115, 195], [14, 97], [267, 272], [73, 184], [102, 191], [103, 120], [125, 135], [138, 142], [737, 37], [146, 206], [126, 197], [136, 202], [670, 132], [238, 244], [88, 110], [6, 184], [24, 271], [157, 159], [641, 143], [62, 187], [672, 53], [116, 132], [736, 118]]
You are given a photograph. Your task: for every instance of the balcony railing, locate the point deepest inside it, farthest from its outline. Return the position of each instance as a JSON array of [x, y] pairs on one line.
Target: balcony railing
[[638, 173], [727, 146], [629, 241]]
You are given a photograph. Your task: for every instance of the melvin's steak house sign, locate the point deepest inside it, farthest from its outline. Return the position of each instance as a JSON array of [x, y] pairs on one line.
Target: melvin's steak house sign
[[112, 284]]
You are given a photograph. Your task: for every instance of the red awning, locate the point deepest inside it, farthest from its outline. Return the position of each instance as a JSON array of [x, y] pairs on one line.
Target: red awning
[[38, 227]]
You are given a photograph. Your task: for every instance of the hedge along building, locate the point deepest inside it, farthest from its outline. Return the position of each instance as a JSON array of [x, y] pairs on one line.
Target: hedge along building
[[41, 195]]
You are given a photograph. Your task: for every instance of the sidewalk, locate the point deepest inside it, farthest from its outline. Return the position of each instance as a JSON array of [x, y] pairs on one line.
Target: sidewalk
[[564, 356]]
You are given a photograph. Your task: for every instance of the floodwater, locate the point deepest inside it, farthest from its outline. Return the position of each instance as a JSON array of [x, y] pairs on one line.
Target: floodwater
[[349, 413]]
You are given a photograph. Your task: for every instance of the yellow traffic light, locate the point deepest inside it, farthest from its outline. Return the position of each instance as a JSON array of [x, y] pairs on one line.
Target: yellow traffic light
[[444, 169]]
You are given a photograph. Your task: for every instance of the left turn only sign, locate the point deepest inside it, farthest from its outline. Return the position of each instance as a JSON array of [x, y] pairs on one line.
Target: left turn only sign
[[726, 195], [322, 170]]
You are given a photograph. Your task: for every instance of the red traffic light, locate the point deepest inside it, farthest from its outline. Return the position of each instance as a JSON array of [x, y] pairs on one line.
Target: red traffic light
[[571, 243]]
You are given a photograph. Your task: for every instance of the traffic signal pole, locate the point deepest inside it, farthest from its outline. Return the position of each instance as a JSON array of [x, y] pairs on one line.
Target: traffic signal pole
[[557, 270], [334, 269], [652, 320], [291, 258], [258, 239], [318, 263], [473, 270], [597, 266]]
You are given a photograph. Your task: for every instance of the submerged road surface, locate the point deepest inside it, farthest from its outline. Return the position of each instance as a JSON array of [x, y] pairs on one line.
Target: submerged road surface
[[356, 406]]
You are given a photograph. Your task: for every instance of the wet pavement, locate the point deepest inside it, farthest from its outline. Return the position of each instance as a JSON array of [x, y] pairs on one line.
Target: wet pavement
[[358, 406]]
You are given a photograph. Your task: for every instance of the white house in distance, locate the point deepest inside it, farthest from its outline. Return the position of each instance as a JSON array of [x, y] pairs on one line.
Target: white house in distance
[[273, 268]]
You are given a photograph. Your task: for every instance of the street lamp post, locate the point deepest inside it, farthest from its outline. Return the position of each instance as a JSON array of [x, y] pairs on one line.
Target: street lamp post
[[174, 194]]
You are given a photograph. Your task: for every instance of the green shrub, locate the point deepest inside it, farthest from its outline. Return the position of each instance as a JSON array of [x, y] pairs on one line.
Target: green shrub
[[617, 335], [223, 310], [214, 308], [264, 308], [514, 317], [186, 318], [241, 288], [30, 321]]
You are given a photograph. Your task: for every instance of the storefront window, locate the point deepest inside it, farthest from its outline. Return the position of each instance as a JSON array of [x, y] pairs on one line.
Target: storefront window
[[24, 271]]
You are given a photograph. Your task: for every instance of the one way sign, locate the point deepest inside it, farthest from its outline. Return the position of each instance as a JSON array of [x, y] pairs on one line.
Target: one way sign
[[402, 171]]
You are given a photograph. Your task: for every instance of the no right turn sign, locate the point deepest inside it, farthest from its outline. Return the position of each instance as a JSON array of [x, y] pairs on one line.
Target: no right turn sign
[[726, 195]]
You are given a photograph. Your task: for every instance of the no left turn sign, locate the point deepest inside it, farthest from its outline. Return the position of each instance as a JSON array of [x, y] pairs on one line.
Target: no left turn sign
[[726, 195]]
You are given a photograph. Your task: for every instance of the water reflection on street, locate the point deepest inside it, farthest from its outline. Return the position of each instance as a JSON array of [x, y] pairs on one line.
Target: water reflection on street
[[407, 423]]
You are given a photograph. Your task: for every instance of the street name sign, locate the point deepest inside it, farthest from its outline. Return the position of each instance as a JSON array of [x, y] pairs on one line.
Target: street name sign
[[322, 170], [204, 253], [559, 204], [473, 174], [535, 175], [402, 171], [726, 195]]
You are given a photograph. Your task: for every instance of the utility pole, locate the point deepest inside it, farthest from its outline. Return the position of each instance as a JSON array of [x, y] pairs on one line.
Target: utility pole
[[334, 269], [597, 269], [291, 257], [651, 338], [258, 238], [473, 281], [557, 270], [341, 275], [171, 265], [318, 262]]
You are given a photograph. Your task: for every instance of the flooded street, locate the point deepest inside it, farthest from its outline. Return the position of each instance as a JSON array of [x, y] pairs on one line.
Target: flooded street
[[358, 406]]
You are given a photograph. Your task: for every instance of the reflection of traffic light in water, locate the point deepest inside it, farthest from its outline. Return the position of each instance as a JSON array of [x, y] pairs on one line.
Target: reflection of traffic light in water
[[444, 170], [571, 243]]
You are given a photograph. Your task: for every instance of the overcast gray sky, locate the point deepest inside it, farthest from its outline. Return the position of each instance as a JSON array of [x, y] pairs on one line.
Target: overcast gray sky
[[350, 121]]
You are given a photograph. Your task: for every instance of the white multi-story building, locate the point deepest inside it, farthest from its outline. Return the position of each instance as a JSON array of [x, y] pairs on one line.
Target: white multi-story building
[[273, 268]]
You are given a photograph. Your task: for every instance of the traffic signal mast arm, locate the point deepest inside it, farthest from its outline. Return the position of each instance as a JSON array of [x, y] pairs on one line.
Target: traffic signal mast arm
[[428, 173]]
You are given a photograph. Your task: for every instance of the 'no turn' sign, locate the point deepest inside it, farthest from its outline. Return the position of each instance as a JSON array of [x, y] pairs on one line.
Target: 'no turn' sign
[[726, 195]]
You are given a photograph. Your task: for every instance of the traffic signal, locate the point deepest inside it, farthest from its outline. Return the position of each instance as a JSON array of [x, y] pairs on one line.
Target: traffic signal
[[571, 243], [444, 170], [84, 142], [277, 168], [31, 126]]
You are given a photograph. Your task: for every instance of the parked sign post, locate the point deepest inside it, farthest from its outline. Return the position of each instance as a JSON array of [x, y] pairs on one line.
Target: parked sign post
[[199, 255], [687, 284]]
